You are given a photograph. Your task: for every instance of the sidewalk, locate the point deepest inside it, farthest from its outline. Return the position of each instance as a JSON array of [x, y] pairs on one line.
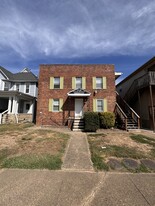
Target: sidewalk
[[77, 155], [71, 188]]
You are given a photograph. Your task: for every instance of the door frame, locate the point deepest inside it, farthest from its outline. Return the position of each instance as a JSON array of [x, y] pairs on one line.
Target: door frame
[[80, 102]]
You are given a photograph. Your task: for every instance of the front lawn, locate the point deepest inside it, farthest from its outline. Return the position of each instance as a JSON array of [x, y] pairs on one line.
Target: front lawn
[[119, 145], [26, 146]]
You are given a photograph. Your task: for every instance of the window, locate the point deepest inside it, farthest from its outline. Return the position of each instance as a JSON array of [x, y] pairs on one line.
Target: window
[[6, 86], [56, 82], [55, 105], [99, 105], [27, 106], [99, 82], [27, 88], [78, 82], [17, 87]]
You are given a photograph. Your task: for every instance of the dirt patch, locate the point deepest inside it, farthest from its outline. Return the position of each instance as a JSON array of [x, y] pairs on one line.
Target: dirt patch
[[32, 141], [122, 138]]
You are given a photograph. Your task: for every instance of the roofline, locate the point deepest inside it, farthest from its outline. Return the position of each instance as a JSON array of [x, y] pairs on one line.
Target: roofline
[[144, 66], [74, 64], [78, 95], [10, 80], [4, 74], [117, 75], [16, 93]]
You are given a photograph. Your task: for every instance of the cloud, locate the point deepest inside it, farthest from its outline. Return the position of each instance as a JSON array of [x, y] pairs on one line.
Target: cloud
[[71, 28]]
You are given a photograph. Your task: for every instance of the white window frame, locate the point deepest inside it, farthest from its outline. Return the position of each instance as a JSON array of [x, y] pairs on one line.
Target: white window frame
[[27, 88], [100, 84], [76, 82], [102, 106], [6, 86], [56, 103], [17, 87], [55, 84]]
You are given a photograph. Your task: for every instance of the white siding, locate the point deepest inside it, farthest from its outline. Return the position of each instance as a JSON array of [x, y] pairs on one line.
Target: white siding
[[22, 87], [1, 81], [32, 89]]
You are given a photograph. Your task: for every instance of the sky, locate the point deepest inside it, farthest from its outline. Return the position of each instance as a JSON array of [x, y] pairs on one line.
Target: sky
[[34, 32]]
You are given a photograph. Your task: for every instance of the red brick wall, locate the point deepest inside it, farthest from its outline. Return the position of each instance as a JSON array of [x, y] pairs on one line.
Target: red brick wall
[[44, 117]]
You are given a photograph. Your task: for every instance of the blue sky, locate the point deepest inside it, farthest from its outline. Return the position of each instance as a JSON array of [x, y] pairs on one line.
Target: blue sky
[[34, 32]]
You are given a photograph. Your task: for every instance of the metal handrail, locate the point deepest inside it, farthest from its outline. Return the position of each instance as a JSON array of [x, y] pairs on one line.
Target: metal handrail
[[1, 115]]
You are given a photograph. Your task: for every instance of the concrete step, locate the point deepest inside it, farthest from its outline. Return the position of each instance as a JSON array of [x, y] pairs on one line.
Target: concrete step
[[78, 125], [78, 130]]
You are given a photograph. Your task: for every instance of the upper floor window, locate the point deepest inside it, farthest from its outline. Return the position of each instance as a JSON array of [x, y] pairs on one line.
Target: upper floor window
[[78, 82], [56, 82], [27, 88], [17, 87], [6, 86], [99, 83]]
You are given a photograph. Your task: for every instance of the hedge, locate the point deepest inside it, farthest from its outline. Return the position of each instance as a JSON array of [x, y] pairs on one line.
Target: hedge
[[91, 120], [107, 119]]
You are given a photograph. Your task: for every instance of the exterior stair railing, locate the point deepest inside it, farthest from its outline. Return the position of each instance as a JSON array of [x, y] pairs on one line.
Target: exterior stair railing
[[143, 81], [1, 115], [128, 116]]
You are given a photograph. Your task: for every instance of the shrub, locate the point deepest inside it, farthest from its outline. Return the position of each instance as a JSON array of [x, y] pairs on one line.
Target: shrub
[[107, 119], [91, 120]]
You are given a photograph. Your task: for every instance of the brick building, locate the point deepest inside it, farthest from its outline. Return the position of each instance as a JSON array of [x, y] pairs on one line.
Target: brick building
[[67, 91]]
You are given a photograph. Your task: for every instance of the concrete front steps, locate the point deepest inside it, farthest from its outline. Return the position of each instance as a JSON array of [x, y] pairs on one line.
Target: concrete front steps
[[78, 125]]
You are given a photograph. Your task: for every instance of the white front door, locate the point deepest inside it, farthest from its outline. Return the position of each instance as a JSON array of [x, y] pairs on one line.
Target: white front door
[[78, 108]]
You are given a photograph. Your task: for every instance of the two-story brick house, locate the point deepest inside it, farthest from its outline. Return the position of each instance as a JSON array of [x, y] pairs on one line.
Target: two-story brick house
[[18, 94], [67, 91]]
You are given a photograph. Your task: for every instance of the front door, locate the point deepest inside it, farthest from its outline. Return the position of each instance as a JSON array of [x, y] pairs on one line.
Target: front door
[[78, 108]]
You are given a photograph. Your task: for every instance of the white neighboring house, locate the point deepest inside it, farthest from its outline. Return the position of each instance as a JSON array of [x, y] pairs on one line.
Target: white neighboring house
[[18, 93]]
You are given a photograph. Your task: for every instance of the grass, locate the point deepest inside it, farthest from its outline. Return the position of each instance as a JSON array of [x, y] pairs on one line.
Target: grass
[[122, 152], [31, 148], [44, 161], [143, 139], [3, 154], [97, 135], [14, 127], [100, 154], [99, 163]]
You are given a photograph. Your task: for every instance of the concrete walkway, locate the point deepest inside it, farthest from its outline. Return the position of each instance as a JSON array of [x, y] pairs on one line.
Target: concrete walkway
[[77, 156]]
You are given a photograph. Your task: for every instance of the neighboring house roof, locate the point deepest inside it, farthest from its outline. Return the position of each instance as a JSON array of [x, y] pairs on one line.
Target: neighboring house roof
[[24, 75], [147, 65], [7, 73]]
